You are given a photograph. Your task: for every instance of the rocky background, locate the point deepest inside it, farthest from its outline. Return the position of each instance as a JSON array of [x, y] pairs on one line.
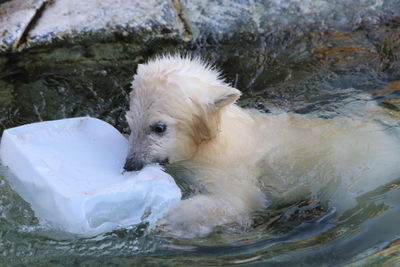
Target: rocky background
[[68, 58]]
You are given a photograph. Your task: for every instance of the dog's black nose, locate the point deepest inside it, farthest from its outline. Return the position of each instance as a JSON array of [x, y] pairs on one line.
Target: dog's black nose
[[133, 165]]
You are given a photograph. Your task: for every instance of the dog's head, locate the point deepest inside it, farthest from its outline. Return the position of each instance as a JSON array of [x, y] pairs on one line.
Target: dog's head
[[175, 106]]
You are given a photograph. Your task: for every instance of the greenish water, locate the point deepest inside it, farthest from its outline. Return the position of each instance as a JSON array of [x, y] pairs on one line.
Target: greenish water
[[302, 233], [319, 70]]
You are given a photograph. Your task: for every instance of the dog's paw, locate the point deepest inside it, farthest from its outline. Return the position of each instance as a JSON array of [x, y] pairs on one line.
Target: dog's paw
[[198, 216], [182, 221], [183, 231]]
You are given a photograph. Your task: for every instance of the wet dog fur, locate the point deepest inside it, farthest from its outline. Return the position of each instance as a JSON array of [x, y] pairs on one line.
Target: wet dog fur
[[182, 113]]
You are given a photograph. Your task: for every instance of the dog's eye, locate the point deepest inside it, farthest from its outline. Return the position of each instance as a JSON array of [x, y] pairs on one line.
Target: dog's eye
[[158, 128]]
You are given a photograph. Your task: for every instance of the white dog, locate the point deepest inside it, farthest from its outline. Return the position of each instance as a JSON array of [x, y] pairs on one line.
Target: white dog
[[182, 113]]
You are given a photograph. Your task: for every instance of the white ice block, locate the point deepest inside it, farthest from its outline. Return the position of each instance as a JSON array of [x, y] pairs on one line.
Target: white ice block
[[70, 171]]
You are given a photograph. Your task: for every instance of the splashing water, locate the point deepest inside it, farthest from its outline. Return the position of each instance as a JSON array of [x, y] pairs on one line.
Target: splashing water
[[309, 230], [324, 73]]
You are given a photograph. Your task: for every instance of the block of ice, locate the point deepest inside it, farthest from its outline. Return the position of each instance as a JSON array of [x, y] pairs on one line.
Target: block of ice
[[70, 171]]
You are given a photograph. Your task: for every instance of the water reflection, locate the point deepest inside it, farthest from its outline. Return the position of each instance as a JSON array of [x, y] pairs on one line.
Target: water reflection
[[301, 233], [322, 72]]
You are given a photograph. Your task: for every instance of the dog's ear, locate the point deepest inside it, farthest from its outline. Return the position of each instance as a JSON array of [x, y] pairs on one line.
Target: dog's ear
[[227, 95]]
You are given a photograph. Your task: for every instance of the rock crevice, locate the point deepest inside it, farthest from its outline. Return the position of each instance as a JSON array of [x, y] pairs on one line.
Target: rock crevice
[[30, 25], [187, 33], [69, 58]]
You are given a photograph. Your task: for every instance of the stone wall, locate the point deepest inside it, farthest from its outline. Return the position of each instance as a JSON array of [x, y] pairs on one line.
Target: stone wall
[[65, 58]]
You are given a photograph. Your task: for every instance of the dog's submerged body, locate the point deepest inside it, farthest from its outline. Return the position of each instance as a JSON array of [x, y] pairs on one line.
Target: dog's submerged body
[[182, 113]]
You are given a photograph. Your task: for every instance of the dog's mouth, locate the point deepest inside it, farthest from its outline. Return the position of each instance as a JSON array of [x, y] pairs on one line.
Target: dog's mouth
[[137, 165], [163, 162]]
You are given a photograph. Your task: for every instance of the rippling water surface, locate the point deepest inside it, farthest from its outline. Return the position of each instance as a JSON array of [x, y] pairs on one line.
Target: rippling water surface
[[300, 233], [288, 232], [327, 73]]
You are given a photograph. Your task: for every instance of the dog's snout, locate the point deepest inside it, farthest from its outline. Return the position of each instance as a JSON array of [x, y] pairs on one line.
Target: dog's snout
[[133, 165]]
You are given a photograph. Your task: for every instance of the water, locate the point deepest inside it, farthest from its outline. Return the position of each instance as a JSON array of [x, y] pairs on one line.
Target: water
[[306, 231], [318, 70], [300, 233]]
